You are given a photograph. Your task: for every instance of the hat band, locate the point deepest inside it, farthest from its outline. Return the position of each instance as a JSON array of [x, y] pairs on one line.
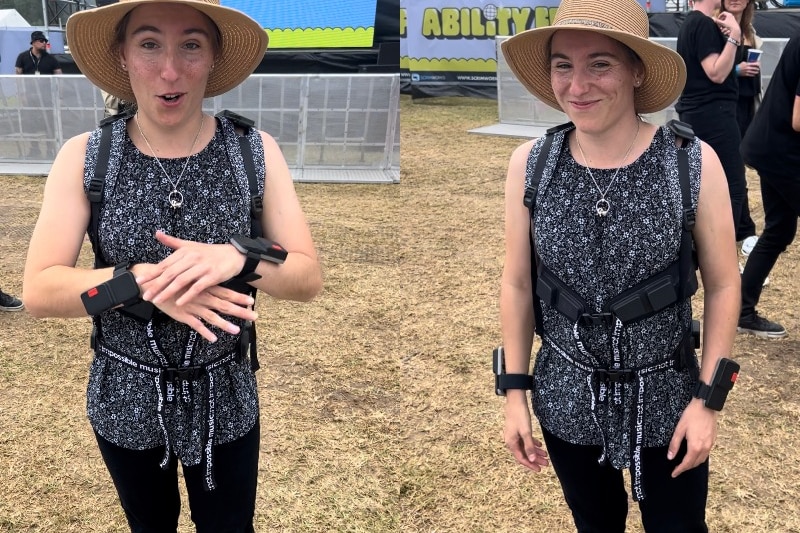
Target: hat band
[[585, 22]]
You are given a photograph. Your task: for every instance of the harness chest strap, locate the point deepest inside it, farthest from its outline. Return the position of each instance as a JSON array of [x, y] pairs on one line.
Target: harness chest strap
[[675, 283]]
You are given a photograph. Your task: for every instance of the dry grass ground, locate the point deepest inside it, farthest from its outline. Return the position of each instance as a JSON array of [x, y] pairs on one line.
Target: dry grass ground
[[378, 413]]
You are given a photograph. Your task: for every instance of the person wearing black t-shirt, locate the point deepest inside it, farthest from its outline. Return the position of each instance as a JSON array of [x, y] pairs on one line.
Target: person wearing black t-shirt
[[708, 103], [36, 59], [748, 78], [772, 147]]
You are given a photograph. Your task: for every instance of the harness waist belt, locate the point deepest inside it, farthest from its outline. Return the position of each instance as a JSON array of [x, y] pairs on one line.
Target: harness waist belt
[[603, 382], [169, 382]]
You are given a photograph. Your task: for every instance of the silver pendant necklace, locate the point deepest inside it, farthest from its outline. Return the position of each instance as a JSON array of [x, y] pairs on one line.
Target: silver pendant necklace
[[602, 206], [175, 198]]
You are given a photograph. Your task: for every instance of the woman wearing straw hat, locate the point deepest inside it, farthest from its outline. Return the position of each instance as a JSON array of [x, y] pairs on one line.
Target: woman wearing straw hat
[[173, 384], [608, 214]]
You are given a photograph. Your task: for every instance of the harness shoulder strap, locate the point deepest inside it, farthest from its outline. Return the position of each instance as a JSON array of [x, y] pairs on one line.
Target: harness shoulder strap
[[529, 199], [242, 126], [688, 255]]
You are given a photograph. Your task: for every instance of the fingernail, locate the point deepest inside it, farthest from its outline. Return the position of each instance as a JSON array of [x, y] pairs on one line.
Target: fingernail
[[532, 458], [233, 329], [670, 455]]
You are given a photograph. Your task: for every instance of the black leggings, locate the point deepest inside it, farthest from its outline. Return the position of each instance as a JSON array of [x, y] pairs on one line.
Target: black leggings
[[596, 494], [150, 497]]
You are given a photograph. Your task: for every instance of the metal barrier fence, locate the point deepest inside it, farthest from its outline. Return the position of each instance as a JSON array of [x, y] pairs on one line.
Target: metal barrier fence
[[517, 106], [321, 122]]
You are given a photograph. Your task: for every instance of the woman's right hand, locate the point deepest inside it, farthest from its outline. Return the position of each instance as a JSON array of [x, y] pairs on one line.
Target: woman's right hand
[[206, 308], [518, 434]]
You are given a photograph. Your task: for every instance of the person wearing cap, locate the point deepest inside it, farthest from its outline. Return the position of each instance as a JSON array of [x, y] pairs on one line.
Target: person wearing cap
[[36, 60], [608, 214], [171, 379]]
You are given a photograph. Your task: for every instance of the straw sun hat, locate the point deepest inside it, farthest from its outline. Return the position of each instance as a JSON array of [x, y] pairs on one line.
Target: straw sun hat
[[623, 20], [91, 35]]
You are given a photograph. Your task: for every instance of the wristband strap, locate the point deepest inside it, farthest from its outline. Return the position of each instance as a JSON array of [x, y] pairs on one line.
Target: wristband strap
[[248, 272], [733, 41], [514, 381]]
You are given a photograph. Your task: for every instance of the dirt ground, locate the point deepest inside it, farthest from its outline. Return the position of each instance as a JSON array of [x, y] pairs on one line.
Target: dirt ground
[[378, 413]]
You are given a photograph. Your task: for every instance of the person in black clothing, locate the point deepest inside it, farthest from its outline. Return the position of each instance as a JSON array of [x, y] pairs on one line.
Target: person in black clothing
[[748, 78], [708, 46], [772, 147], [36, 60]]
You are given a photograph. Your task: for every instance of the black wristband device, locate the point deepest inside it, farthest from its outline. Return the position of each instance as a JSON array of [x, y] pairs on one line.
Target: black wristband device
[[122, 289], [715, 394], [256, 250], [503, 381]]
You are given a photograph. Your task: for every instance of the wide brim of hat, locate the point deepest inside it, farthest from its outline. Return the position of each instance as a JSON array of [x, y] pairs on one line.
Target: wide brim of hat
[[90, 36], [665, 72]]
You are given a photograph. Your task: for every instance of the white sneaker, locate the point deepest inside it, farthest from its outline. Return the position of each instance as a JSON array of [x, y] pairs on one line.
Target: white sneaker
[[748, 244]]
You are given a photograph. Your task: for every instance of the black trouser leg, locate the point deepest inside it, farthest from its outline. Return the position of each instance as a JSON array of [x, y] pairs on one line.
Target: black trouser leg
[[716, 125], [148, 494], [781, 209], [595, 493], [231, 506], [598, 501]]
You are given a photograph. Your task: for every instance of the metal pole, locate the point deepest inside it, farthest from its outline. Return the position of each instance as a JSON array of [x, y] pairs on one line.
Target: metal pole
[[44, 19]]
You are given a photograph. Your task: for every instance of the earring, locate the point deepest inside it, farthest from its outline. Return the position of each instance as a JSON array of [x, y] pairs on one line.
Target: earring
[[124, 66]]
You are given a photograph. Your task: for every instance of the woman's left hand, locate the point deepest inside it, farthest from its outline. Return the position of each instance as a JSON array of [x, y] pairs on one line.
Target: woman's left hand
[[748, 70], [190, 269], [698, 425]]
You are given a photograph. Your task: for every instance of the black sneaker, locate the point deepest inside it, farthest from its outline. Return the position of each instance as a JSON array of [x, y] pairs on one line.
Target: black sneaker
[[9, 303], [760, 327]]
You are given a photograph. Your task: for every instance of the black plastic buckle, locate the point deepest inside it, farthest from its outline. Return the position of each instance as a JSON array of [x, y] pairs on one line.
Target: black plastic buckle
[[530, 194], [256, 206], [187, 373], [689, 218], [623, 375], [595, 319]]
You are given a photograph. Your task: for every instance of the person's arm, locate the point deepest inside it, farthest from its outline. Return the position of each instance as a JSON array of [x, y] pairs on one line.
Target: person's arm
[[300, 277], [51, 283], [18, 70], [57, 71], [796, 114], [516, 314], [718, 66], [716, 253]]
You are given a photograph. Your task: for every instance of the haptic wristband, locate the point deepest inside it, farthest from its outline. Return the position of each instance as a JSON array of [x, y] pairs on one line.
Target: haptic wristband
[[715, 394], [121, 289], [256, 250], [503, 381]]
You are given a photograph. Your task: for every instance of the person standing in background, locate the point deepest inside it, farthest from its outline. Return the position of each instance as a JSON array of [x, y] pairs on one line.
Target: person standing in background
[[772, 147], [748, 77], [708, 103], [37, 60]]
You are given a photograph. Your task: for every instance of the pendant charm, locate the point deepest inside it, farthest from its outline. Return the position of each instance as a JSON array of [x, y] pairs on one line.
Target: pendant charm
[[602, 206], [175, 199]]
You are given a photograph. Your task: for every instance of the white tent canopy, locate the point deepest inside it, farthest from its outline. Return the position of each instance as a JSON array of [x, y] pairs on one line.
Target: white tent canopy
[[10, 18]]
